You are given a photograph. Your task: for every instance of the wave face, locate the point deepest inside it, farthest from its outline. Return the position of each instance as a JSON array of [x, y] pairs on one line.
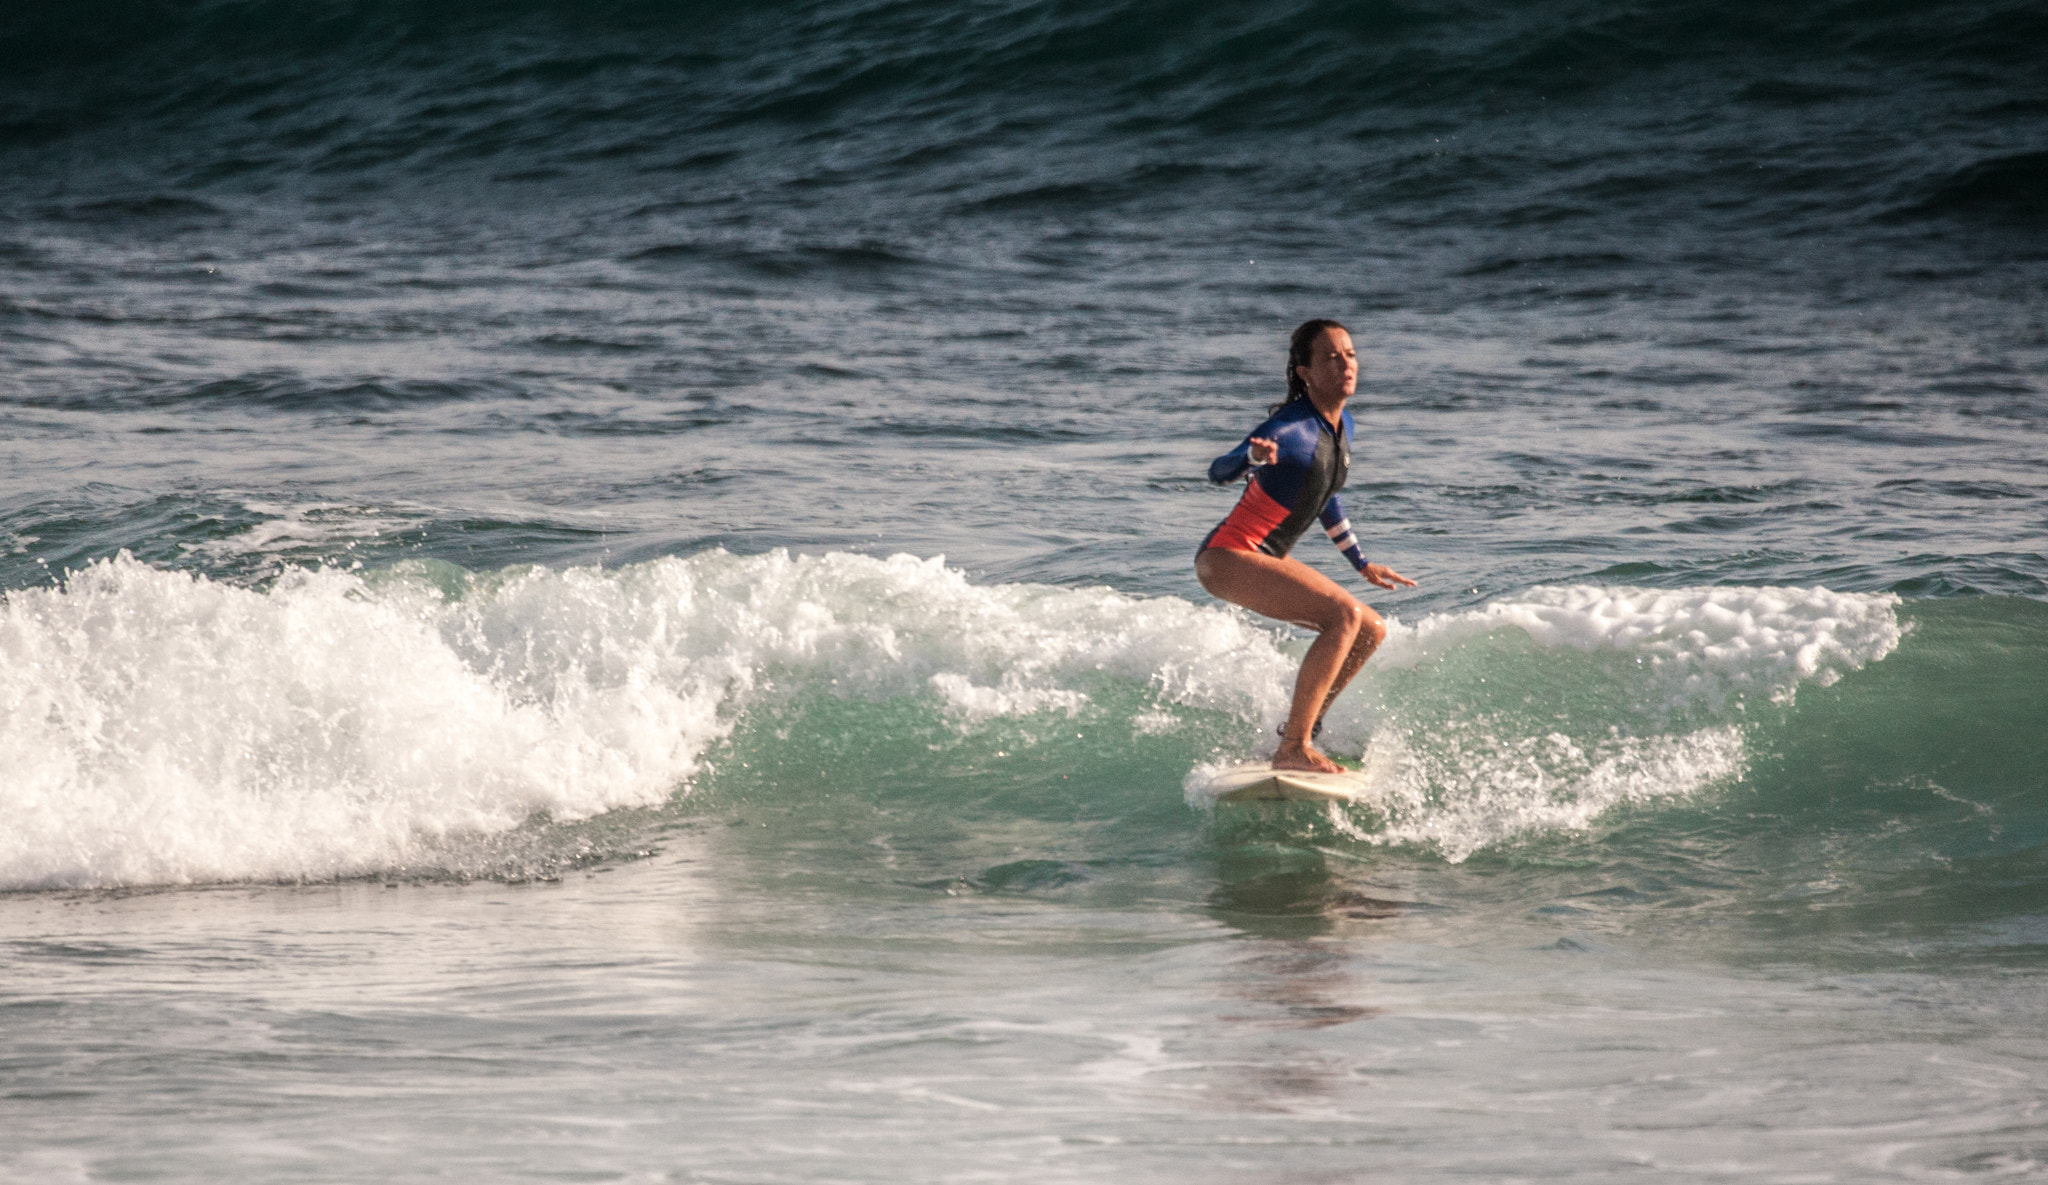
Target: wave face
[[424, 721], [1476, 744]]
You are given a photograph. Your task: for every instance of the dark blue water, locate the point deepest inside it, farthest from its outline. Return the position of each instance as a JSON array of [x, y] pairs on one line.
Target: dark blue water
[[605, 591]]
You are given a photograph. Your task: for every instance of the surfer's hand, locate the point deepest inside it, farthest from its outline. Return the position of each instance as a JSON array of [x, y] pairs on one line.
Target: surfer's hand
[[1386, 577], [1263, 450]]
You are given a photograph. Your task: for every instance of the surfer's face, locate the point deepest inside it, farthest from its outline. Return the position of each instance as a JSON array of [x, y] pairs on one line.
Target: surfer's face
[[1332, 370]]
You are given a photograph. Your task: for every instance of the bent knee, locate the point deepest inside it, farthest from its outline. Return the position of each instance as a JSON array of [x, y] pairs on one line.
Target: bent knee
[[1351, 619], [1362, 625]]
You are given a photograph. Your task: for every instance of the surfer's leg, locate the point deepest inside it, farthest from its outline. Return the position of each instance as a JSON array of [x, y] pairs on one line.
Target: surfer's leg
[[1370, 635], [1292, 591]]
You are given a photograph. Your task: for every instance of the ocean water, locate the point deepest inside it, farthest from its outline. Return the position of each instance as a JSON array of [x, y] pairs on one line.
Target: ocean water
[[603, 592]]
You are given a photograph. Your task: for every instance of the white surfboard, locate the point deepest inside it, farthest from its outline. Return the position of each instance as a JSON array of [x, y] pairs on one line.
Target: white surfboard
[[1257, 781]]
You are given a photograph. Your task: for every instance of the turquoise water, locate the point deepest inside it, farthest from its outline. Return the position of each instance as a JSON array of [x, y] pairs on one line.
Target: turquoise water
[[606, 595]]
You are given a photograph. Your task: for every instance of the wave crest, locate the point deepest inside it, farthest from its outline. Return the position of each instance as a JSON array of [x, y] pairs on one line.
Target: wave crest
[[167, 728]]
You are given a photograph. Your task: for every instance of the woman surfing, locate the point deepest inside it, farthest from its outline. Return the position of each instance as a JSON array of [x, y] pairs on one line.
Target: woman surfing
[[1298, 460]]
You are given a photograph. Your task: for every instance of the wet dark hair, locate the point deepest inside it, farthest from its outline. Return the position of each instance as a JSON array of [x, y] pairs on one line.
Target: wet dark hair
[[1298, 351]]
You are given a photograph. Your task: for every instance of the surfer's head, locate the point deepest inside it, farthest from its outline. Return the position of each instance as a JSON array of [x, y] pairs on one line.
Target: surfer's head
[[1301, 354]]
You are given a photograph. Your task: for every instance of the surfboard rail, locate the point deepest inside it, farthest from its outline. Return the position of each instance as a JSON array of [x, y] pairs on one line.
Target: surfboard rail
[[1258, 781]]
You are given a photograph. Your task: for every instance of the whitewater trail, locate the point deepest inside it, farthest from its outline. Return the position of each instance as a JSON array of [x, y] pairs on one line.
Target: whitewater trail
[[169, 728]]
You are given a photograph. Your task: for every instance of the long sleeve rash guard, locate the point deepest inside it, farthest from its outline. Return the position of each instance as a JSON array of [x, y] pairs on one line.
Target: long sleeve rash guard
[[1300, 484]]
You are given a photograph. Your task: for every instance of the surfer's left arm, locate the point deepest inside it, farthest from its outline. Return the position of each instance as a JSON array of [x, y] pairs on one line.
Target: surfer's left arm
[[1338, 528]]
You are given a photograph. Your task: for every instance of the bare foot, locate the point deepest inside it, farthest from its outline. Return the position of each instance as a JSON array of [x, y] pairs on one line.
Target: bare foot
[[1299, 756]]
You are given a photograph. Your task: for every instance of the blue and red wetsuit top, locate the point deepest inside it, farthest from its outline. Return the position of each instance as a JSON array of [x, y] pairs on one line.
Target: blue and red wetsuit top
[[1300, 484]]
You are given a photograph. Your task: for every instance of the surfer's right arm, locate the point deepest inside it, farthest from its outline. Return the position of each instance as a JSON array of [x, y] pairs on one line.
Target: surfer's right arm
[[1254, 452]]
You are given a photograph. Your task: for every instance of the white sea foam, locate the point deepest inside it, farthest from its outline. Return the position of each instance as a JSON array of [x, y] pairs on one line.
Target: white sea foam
[[1482, 789], [1695, 645], [1473, 788], [1012, 698], [164, 728]]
